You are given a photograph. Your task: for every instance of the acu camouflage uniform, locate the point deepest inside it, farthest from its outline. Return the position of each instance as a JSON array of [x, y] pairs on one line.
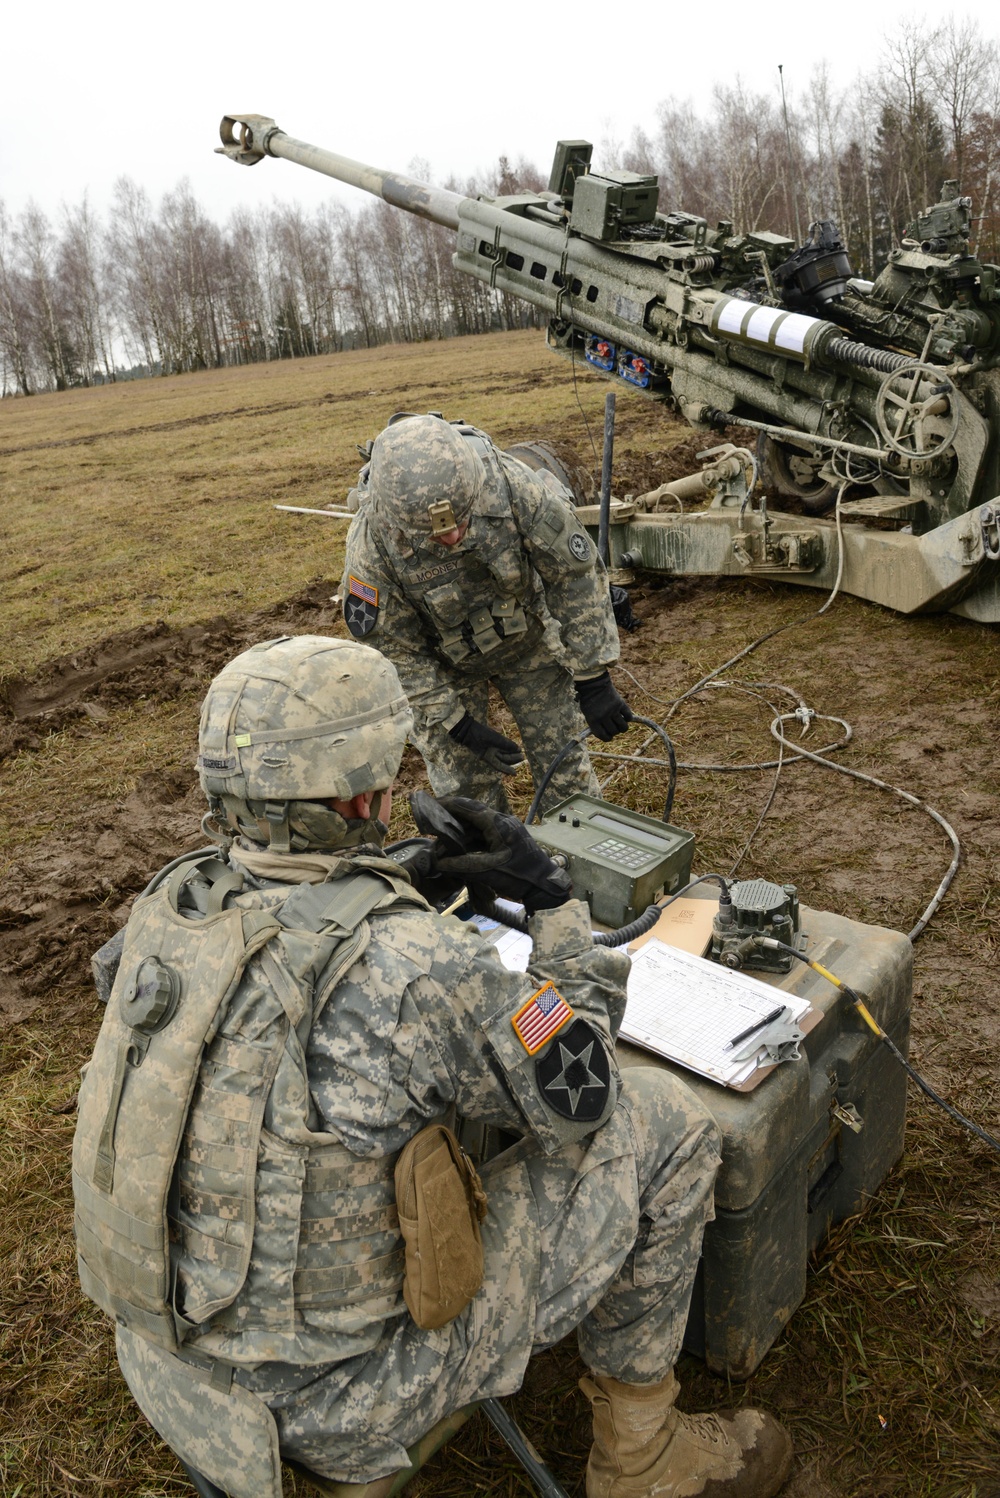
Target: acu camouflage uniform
[[595, 1220], [239, 1124], [521, 601]]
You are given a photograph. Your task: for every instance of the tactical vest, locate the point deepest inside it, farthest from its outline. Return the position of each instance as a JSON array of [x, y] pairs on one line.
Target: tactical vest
[[205, 1192], [482, 604]]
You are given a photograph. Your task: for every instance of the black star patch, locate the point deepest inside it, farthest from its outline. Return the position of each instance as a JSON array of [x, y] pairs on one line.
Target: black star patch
[[360, 616], [574, 1075]]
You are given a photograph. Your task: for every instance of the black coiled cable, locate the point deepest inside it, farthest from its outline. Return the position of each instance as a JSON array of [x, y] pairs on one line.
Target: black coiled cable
[[624, 934]]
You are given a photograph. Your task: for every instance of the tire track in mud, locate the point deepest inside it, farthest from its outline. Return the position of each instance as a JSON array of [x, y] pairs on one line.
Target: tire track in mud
[[156, 661], [208, 418]]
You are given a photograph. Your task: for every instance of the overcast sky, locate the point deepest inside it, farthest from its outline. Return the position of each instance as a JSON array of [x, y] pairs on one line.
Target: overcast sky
[[90, 92]]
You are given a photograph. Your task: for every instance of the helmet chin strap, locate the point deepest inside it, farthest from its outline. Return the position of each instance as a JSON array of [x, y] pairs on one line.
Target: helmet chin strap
[[302, 826]]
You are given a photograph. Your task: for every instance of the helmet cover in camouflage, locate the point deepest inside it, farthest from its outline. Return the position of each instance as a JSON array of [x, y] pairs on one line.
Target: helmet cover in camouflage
[[424, 475], [301, 719]]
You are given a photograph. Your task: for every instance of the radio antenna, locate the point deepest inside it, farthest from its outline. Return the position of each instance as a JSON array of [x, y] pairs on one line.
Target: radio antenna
[[792, 174]]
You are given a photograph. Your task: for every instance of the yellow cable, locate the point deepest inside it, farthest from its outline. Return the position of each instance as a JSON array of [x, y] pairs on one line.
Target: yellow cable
[[818, 967], [859, 1005]]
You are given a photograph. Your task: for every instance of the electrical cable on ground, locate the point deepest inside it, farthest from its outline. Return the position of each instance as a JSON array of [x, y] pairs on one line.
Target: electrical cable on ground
[[805, 714], [774, 944], [670, 762], [798, 752], [769, 635], [908, 796]]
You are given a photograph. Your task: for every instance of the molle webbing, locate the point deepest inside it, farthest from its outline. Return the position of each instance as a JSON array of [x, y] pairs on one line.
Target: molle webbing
[[174, 1115], [332, 1251], [135, 1097], [481, 606]]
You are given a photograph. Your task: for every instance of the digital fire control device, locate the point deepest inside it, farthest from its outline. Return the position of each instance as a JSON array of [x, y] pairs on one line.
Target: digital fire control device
[[619, 860]]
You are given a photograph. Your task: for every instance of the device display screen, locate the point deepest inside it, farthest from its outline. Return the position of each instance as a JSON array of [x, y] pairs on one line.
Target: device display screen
[[632, 834]]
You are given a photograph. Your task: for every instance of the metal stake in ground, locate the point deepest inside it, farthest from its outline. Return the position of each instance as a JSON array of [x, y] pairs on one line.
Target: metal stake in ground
[[609, 453]]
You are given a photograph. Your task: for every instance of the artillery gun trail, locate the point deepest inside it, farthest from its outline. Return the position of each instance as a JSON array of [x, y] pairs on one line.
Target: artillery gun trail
[[880, 398]]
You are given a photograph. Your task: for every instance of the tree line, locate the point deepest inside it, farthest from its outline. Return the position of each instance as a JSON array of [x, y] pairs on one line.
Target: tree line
[[162, 290]]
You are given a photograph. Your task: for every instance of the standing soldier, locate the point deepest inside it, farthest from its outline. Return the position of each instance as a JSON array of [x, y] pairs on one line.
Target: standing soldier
[[465, 568]]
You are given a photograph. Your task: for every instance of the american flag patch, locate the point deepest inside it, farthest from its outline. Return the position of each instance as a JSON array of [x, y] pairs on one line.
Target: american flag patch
[[539, 1019], [362, 590]]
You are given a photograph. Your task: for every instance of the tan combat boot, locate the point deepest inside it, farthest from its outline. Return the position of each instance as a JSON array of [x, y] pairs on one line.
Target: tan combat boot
[[645, 1448]]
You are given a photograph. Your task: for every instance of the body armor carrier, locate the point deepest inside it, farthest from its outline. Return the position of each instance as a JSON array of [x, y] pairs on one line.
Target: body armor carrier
[[482, 605], [209, 1206]]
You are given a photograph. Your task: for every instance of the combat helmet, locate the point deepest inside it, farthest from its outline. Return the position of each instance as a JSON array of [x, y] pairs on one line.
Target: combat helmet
[[425, 476], [293, 723]]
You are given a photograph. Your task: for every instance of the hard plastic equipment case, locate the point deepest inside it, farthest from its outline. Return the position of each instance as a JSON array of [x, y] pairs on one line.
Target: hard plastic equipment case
[[792, 1166]]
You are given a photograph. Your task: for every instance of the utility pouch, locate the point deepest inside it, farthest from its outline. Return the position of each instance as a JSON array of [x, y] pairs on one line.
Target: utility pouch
[[441, 1202]]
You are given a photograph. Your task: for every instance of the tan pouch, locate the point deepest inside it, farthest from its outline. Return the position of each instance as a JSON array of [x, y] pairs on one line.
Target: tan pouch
[[441, 1202]]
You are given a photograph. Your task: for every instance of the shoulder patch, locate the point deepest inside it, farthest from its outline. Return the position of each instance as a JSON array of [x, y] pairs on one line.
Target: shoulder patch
[[579, 546], [537, 1021], [574, 1076], [360, 607], [358, 589]]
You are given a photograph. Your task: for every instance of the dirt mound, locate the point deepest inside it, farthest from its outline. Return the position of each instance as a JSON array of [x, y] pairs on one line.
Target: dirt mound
[[156, 661], [73, 891]]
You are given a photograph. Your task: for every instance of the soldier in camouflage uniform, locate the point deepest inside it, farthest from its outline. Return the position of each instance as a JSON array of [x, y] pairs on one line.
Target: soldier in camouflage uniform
[[465, 568], [287, 1015]]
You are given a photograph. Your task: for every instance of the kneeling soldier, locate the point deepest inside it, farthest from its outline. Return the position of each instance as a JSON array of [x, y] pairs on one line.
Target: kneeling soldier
[[299, 1261]]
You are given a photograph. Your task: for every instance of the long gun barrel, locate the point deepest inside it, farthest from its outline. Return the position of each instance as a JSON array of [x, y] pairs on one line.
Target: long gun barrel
[[736, 327], [590, 253], [259, 137]]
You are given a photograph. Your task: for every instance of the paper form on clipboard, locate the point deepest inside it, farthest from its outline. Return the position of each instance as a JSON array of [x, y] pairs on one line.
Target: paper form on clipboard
[[689, 1010]]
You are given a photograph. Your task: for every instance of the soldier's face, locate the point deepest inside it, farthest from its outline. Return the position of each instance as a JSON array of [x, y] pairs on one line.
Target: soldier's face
[[360, 808], [452, 537]]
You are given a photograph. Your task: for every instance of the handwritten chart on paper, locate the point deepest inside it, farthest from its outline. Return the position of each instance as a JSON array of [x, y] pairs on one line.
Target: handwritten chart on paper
[[687, 1009]]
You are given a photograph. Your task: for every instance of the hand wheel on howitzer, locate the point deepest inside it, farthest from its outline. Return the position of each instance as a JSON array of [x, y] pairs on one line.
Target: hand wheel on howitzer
[[917, 411]]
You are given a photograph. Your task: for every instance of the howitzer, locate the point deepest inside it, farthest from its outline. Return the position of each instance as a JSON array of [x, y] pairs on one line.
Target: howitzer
[[882, 398]]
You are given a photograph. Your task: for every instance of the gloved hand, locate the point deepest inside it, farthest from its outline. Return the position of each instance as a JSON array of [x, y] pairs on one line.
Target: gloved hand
[[496, 751], [607, 713], [418, 858], [498, 855]]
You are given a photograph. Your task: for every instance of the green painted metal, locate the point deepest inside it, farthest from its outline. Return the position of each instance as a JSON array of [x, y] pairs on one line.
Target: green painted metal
[[897, 380]]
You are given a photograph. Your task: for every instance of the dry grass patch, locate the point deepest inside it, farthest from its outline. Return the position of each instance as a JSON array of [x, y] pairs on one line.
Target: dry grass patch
[[156, 507]]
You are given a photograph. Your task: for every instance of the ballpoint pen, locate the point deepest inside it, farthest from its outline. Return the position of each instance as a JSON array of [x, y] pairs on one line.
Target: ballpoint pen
[[758, 1025]]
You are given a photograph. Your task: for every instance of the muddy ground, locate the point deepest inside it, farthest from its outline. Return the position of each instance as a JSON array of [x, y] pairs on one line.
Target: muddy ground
[[141, 551], [902, 1319]]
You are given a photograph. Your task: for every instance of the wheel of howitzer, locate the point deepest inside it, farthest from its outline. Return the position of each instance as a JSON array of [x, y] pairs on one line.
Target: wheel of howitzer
[[917, 411], [793, 473], [539, 456]]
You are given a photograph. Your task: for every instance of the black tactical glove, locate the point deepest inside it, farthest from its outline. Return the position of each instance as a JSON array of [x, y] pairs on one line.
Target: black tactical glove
[[491, 851], [417, 857], [496, 751], [607, 713]]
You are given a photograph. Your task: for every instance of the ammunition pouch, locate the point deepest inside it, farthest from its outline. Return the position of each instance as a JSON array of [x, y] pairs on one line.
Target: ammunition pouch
[[441, 1202]]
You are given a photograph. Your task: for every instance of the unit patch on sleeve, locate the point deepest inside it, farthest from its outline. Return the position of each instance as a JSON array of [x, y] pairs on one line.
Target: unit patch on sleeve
[[574, 1077], [360, 607], [538, 1020], [579, 546]]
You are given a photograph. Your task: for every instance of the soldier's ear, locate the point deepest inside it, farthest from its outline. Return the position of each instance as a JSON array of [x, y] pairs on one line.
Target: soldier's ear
[[357, 809]]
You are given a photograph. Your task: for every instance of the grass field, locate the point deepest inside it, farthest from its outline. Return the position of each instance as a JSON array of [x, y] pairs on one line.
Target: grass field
[[142, 550]]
